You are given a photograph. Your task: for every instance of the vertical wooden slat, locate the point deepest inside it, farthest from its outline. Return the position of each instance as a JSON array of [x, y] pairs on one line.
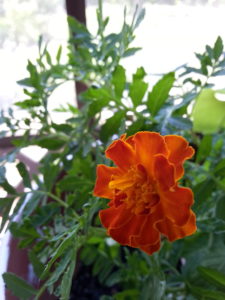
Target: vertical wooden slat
[[76, 9]]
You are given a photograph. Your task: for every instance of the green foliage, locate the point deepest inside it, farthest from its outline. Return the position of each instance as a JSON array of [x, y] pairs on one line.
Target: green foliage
[[19, 287], [58, 215]]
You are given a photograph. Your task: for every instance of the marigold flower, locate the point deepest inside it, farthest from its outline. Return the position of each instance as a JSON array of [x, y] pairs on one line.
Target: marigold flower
[[146, 201]]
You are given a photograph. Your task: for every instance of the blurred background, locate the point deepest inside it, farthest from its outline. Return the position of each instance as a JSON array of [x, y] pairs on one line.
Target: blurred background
[[171, 32]]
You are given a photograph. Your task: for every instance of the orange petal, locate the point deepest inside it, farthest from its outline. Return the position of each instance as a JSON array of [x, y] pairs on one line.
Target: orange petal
[[179, 151], [148, 234], [121, 153], [104, 176], [173, 232], [124, 234], [176, 204], [164, 172], [147, 145], [115, 217], [150, 249]]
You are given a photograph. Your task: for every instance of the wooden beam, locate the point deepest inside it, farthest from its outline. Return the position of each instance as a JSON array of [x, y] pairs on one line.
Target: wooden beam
[[76, 9]]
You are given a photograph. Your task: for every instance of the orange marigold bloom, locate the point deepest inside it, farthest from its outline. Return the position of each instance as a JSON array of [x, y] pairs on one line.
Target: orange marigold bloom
[[145, 198]]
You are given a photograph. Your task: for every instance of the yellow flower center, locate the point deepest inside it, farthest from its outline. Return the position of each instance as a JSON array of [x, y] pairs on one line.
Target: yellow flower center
[[136, 189]]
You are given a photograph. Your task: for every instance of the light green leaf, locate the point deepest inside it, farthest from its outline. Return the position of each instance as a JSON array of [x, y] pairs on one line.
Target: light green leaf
[[119, 81], [208, 112], [137, 91]]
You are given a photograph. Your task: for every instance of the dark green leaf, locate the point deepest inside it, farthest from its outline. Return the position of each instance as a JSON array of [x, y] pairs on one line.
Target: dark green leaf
[[8, 187], [160, 93], [202, 191], [32, 203], [67, 280], [212, 275], [23, 231], [5, 207], [69, 183], [58, 55], [220, 208], [206, 294], [218, 48], [78, 28], [24, 174], [220, 168], [65, 260], [204, 148], [111, 125], [51, 142], [19, 287], [67, 242], [36, 263], [135, 126]]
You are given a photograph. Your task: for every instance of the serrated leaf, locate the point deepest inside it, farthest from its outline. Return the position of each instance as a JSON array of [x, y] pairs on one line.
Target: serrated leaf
[[19, 287], [67, 280], [119, 81], [111, 125], [160, 93], [24, 174], [60, 268], [67, 242]]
